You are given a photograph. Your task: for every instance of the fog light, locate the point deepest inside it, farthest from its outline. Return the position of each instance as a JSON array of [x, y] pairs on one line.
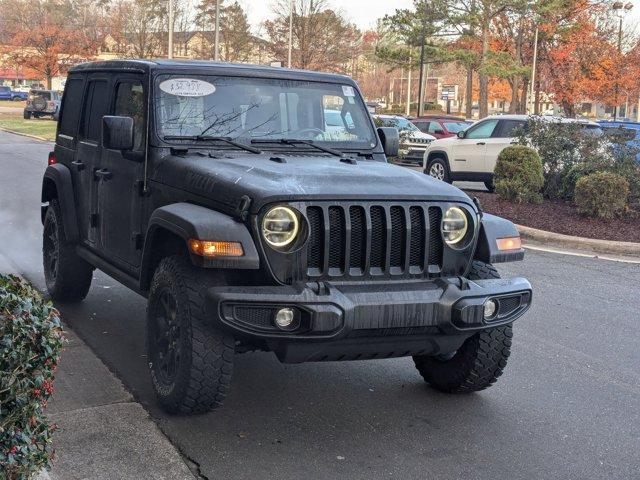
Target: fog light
[[490, 308], [284, 318]]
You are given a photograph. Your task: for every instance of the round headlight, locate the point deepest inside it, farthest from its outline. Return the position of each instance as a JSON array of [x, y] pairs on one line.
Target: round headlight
[[280, 226], [454, 225]]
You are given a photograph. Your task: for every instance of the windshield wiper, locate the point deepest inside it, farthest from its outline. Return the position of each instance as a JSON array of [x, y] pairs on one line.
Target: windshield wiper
[[294, 141], [209, 138]]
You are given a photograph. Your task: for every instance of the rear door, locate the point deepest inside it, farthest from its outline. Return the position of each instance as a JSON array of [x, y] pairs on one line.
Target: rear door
[[89, 153], [469, 152], [120, 190], [502, 137], [67, 140]]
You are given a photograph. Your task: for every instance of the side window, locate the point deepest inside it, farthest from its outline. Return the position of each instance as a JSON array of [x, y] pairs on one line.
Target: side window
[[130, 103], [507, 127], [71, 105], [434, 127], [482, 130], [96, 106]]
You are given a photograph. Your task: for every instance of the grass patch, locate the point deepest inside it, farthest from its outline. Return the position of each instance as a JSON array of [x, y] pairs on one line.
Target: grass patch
[[40, 127], [11, 103]]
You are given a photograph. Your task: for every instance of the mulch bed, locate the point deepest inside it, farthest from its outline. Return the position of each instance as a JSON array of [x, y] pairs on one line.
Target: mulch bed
[[560, 217]]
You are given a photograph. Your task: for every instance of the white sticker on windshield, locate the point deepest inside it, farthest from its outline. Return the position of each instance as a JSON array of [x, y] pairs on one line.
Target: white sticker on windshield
[[187, 87], [348, 91]]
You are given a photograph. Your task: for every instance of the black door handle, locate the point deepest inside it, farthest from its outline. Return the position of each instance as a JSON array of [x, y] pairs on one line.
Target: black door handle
[[103, 174], [78, 164], [480, 143]]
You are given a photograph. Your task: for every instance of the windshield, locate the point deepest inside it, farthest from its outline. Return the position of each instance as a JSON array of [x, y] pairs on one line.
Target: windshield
[[246, 109], [402, 124], [455, 127]]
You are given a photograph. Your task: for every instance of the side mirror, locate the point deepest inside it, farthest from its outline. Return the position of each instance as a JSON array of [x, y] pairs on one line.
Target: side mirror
[[390, 139], [117, 133], [461, 134], [438, 131]]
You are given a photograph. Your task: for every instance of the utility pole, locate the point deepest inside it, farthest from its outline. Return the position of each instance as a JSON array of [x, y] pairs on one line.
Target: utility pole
[[620, 9], [216, 46], [170, 46], [533, 72], [290, 33], [422, 42], [409, 91]]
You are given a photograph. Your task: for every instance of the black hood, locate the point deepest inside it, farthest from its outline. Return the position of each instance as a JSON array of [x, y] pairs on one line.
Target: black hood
[[226, 180]]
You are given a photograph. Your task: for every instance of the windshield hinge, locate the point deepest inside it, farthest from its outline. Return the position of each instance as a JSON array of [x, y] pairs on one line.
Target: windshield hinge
[[242, 211]]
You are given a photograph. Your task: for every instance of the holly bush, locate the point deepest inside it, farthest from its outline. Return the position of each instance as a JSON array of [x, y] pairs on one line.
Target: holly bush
[[31, 339]]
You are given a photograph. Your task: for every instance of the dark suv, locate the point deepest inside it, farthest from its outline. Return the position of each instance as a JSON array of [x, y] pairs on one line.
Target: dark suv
[[219, 193]]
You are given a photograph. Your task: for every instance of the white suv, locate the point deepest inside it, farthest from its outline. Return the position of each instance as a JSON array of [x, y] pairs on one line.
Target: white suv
[[473, 153]]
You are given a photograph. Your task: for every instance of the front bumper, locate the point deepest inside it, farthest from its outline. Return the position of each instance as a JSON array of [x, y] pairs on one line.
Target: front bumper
[[350, 321]]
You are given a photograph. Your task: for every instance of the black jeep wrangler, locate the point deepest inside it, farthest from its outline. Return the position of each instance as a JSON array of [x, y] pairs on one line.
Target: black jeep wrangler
[[221, 193]]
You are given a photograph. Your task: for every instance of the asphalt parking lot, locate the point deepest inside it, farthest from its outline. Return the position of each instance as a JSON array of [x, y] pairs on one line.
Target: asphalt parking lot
[[568, 405]]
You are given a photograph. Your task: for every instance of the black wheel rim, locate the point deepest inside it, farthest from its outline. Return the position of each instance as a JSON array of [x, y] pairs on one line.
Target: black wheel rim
[[166, 338], [51, 250]]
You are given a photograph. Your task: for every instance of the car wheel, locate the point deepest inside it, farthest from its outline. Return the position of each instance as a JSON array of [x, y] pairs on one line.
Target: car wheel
[[190, 361], [439, 169], [67, 276], [480, 360], [26, 115]]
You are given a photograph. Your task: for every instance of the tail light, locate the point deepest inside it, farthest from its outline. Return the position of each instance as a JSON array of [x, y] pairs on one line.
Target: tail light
[[52, 158], [51, 104]]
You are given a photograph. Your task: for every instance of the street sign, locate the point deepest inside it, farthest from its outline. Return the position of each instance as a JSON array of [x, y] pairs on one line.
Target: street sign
[[449, 92]]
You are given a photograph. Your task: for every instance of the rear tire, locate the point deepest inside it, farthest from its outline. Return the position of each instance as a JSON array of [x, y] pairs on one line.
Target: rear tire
[[480, 360], [68, 277], [190, 361], [26, 115], [438, 168]]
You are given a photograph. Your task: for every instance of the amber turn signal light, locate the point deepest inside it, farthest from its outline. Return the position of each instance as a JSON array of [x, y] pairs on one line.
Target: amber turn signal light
[[509, 243], [205, 248]]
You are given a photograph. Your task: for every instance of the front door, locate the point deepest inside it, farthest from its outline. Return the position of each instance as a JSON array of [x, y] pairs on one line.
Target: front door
[[502, 137], [469, 152], [120, 191]]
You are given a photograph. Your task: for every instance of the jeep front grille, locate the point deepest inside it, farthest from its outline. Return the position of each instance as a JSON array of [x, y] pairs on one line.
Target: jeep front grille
[[373, 240]]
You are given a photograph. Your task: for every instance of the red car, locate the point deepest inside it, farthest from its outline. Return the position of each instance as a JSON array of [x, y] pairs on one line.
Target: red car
[[441, 126]]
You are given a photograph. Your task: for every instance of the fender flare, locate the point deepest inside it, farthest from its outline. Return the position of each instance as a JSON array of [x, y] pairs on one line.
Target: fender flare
[[189, 221], [437, 153], [57, 183], [492, 228]]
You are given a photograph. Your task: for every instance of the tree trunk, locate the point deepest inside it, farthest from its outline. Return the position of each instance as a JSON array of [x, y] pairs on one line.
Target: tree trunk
[[536, 100], [522, 106], [49, 82], [482, 77], [468, 95], [514, 105], [569, 109]]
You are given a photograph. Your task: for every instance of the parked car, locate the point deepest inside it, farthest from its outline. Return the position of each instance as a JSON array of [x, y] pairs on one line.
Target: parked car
[[630, 130], [7, 93], [441, 126], [413, 142], [43, 103], [247, 229], [472, 154]]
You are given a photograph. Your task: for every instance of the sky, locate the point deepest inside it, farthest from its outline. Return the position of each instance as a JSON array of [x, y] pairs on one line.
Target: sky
[[363, 13]]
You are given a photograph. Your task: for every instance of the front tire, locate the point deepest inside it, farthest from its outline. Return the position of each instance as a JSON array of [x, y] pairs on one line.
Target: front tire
[[480, 360], [68, 277], [438, 168], [190, 361]]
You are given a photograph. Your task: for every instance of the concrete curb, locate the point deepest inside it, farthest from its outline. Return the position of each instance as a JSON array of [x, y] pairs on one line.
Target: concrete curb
[[569, 241], [28, 135]]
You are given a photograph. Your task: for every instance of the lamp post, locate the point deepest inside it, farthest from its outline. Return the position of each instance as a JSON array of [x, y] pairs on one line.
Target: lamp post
[[170, 46], [619, 9], [216, 46], [290, 33]]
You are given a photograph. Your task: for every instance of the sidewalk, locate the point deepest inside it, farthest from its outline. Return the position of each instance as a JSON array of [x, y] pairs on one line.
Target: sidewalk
[[103, 434]]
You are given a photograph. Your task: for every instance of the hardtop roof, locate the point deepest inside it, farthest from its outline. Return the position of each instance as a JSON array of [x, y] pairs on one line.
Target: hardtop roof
[[209, 67]]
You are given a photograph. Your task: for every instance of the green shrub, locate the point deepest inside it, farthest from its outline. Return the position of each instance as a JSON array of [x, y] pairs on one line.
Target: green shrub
[[518, 175], [601, 194], [30, 343]]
